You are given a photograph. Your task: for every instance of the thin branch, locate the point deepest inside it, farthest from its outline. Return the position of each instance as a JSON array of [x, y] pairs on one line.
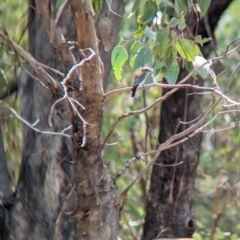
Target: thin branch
[[35, 78], [171, 142], [52, 69], [180, 84], [60, 10], [220, 130], [27, 56], [231, 78], [32, 125], [110, 9], [46, 11], [224, 112], [231, 44], [137, 112], [156, 102], [66, 129]]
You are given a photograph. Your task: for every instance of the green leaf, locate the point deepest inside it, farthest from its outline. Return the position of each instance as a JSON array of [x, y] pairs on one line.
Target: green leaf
[[173, 73], [162, 40], [158, 64], [182, 6], [188, 66], [187, 49], [150, 11], [167, 7], [150, 33], [168, 57], [118, 58], [134, 49], [135, 6], [164, 71], [174, 22], [143, 57], [204, 5], [59, 3], [138, 33], [182, 23], [97, 6], [202, 41]]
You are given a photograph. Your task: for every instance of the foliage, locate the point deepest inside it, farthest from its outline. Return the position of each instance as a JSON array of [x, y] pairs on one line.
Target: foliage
[[9, 70], [211, 161], [150, 38], [160, 42], [220, 154]]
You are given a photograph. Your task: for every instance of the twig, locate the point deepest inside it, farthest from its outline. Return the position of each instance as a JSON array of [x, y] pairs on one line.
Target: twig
[[110, 9], [220, 130], [60, 10], [180, 84], [231, 77], [171, 142], [231, 44], [151, 105], [32, 125], [52, 69], [35, 78], [71, 100], [26, 55], [170, 93]]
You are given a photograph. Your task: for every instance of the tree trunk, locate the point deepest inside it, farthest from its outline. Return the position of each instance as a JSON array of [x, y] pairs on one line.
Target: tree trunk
[[64, 190], [46, 168], [169, 203]]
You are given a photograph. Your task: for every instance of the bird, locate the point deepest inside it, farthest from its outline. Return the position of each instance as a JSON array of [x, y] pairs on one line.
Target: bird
[[140, 79]]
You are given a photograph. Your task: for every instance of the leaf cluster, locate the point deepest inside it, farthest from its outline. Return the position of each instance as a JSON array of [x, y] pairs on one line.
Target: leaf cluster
[[162, 39]]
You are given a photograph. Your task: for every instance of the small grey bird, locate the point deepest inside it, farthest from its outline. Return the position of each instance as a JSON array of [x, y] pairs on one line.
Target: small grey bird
[[140, 79]]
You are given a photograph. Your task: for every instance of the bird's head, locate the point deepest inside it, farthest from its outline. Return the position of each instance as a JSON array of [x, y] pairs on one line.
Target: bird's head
[[146, 70]]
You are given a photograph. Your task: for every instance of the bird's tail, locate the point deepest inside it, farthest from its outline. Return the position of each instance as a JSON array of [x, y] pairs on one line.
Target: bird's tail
[[133, 92]]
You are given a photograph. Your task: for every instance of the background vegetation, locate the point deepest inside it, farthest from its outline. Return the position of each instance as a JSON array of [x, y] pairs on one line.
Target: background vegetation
[[216, 200]]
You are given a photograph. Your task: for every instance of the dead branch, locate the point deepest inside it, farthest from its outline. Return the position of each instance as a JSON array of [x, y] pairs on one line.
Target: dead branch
[[34, 63], [16, 115]]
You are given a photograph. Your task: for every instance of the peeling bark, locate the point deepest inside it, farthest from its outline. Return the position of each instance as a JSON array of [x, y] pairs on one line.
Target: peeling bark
[[95, 214]]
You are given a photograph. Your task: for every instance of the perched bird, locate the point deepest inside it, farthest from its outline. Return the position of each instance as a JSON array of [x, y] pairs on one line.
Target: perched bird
[[140, 79]]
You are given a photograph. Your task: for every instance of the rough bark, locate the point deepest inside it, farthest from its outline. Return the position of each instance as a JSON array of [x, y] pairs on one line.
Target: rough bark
[[64, 190], [6, 199], [46, 160], [169, 203], [95, 213]]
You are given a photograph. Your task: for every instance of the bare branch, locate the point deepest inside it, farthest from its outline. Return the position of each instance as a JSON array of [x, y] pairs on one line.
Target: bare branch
[[27, 56], [46, 11], [60, 10], [171, 142], [32, 125], [176, 87], [110, 9], [35, 78], [180, 84]]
